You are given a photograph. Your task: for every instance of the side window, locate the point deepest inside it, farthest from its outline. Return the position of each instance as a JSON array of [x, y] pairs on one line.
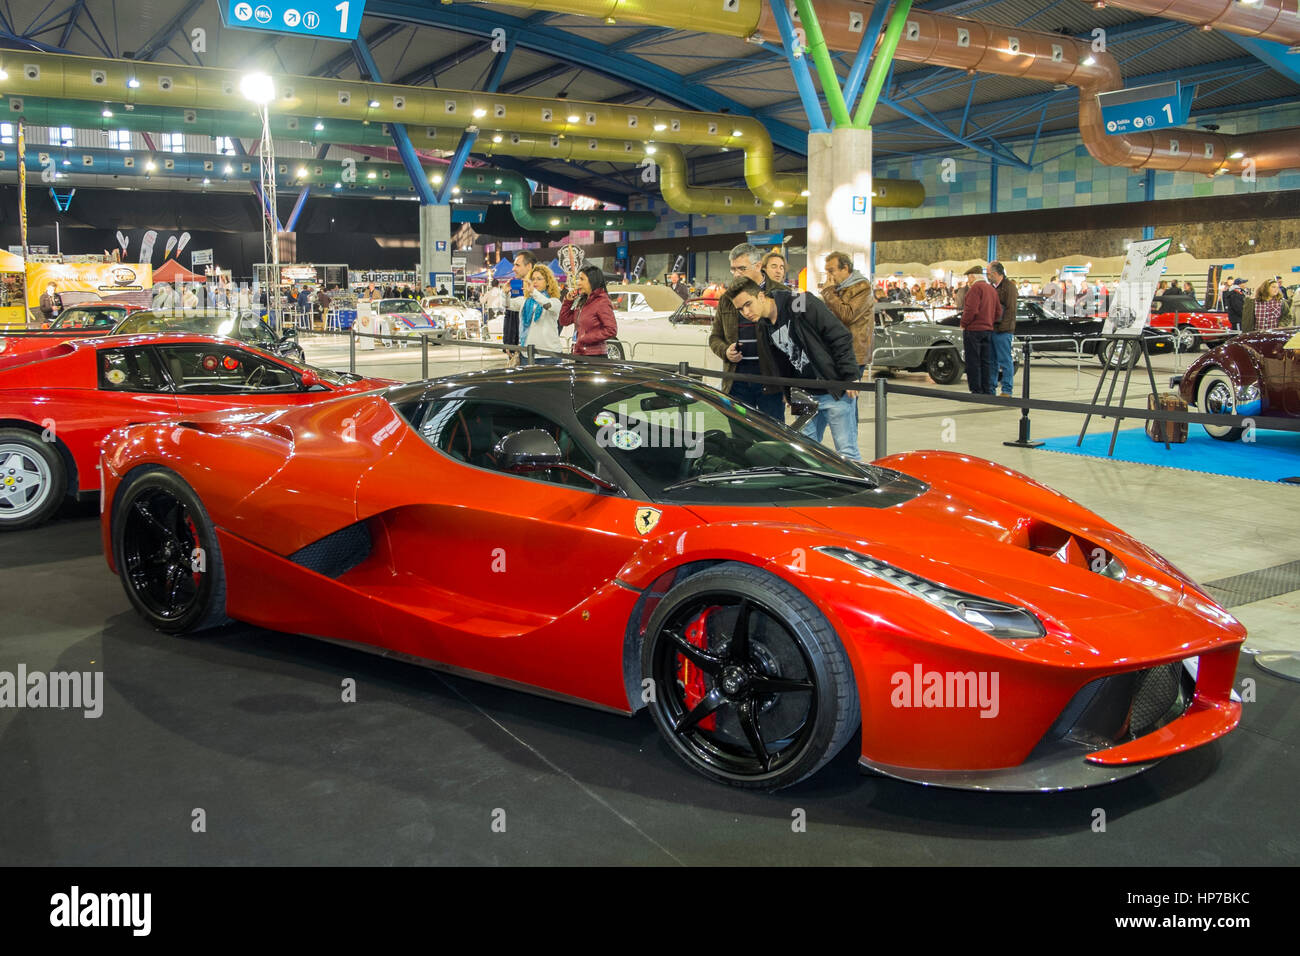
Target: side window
[[468, 431], [216, 370], [130, 370]]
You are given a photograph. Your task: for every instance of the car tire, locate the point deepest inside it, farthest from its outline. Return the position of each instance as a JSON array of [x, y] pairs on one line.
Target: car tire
[[1116, 354], [760, 714], [614, 350], [1188, 340], [167, 554], [33, 479], [943, 364], [1216, 395]]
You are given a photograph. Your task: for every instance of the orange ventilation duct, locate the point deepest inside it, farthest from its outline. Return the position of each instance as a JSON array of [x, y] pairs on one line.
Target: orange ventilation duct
[[1277, 20]]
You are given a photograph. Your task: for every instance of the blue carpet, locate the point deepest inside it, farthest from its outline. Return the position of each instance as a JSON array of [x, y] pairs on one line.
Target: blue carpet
[[1273, 455]]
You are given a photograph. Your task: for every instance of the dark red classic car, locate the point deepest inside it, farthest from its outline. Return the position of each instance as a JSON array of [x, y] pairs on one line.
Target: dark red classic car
[[1254, 374], [57, 403]]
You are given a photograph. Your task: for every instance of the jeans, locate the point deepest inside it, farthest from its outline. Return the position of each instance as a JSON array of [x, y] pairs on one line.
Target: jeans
[[979, 361], [1002, 362], [842, 416], [751, 393]]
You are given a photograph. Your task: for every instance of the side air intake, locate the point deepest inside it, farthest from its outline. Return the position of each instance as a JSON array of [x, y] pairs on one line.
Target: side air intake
[[336, 554]]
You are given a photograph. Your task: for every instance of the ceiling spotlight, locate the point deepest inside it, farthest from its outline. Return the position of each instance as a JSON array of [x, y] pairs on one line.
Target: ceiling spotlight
[[257, 87], [572, 117], [660, 127], [455, 190], [436, 178], [67, 162], [498, 182], [480, 113], [778, 203], [650, 150], [133, 83], [206, 181], [374, 104], [1237, 155], [805, 194], [107, 113], [1089, 60], [609, 222], [371, 174], [150, 166], [319, 126], [4, 75], [736, 132], [555, 222], [338, 185], [229, 169], [302, 171], [496, 138]]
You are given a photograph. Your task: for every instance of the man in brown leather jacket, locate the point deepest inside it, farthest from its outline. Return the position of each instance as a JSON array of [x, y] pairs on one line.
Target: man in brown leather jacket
[[849, 296]]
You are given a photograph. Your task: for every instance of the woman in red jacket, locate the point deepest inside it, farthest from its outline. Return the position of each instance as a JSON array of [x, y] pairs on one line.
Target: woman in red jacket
[[588, 309]]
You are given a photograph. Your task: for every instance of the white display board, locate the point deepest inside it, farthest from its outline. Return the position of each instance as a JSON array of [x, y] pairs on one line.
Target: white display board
[[1130, 301]]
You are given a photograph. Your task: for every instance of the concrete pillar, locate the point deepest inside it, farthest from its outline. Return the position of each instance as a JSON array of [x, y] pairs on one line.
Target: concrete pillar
[[435, 228], [839, 199]]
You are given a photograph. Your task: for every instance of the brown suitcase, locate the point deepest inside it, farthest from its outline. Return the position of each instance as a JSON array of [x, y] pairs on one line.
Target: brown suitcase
[[1173, 432]]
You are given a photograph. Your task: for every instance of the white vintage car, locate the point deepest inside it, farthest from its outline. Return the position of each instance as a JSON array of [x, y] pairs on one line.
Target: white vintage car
[[460, 320]]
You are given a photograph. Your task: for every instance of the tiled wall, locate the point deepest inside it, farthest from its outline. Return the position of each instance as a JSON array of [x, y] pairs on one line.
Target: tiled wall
[[674, 224], [1066, 175]]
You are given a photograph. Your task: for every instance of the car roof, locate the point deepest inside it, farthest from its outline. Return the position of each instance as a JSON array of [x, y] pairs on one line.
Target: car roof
[[554, 390]]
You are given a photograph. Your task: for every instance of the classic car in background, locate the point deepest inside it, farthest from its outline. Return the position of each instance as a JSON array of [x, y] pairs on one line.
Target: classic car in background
[[777, 596], [459, 320], [94, 316], [1050, 331], [1257, 373], [247, 327], [1190, 324], [59, 402], [407, 319], [904, 342]]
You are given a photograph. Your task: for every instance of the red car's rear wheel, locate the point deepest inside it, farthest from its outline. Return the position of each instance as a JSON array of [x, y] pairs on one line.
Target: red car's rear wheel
[[167, 554], [751, 685], [33, 480]]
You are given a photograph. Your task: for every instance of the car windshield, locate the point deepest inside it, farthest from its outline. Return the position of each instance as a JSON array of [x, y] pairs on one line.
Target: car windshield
[[399, 305], [1177, 303], [239, 325], [328, 376], [96, 318], [693, 443]]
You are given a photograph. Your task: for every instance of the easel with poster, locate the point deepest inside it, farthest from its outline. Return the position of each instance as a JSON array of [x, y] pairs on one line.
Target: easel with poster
[[1122, 335]]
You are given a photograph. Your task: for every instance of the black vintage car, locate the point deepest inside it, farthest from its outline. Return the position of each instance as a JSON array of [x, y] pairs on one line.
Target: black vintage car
[[1049, 331]]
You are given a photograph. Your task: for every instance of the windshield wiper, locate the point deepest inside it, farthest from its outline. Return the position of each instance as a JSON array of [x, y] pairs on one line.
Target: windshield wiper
[[759, 471]]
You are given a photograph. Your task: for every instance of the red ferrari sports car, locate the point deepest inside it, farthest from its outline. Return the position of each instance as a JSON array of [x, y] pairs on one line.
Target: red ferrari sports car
[[57, 403], [625, 540]]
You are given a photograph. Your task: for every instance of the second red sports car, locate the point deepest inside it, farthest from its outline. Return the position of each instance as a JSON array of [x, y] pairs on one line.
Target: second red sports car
[[57, 403]]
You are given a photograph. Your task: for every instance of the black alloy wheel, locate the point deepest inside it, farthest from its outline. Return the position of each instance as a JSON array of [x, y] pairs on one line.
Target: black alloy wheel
[[167, 554], [751, 685], [943, 364]]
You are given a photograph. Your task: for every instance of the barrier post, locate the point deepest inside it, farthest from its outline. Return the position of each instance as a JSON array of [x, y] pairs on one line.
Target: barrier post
[[684, 369], [424, 357], [881, 438], [352, 349], [532, 355], [1023, 440]]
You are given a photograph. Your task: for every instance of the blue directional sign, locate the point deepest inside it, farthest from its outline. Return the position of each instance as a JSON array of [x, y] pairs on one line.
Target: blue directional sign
[[323, 19], [1145, 108]]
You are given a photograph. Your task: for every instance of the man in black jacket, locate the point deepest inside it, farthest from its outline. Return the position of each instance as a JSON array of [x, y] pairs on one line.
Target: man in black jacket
[[799, 337]]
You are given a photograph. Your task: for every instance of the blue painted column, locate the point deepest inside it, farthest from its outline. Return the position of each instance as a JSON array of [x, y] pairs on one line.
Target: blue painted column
[[993, 207], [1149, 184]]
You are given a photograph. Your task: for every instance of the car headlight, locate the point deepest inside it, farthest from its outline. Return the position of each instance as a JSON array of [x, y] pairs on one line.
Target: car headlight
[[1006, 621]]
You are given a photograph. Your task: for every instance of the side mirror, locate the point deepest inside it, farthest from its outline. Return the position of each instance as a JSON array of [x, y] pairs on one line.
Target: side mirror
[[290, 332], [528, 450], [309, 379], [801, 403]]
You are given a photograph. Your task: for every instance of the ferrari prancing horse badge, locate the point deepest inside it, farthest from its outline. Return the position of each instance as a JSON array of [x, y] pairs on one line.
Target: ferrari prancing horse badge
[[646, 519]]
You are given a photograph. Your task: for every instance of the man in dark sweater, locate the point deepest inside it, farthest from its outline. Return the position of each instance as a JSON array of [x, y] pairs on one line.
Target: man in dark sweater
[[978, 314], [1004, 330], [797, 336]]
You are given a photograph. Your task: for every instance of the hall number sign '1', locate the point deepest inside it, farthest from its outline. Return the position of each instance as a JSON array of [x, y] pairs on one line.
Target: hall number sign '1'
[[1143, 108], [322, 19]]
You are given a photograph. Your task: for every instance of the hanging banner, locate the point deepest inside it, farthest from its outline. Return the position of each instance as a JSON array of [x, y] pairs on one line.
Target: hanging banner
[[1130, 304], [98, 280], [146, 246], [22, 186], [570, 258]]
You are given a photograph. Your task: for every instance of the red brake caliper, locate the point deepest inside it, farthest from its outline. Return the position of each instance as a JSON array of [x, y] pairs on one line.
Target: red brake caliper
[[690, 676]]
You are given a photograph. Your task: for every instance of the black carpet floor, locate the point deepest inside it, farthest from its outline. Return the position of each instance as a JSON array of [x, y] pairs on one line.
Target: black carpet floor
[[245, 731]]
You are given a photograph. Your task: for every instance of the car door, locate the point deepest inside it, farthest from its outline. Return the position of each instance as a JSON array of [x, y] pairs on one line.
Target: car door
[[884, 345]]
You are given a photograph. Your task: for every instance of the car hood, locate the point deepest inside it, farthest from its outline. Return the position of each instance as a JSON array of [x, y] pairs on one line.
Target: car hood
[[1026, 553]]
